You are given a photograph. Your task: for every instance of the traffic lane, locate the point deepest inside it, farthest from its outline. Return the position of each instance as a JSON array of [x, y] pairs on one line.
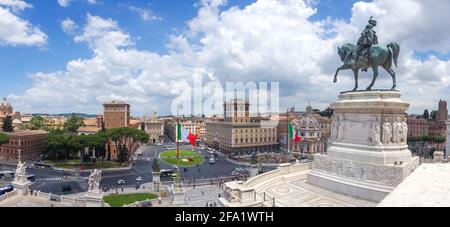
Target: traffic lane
[[46, 173], [141, 169], [221, 168], [57, 186]]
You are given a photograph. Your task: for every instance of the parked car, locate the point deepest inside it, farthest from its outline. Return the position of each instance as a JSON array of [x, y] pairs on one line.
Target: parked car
[[121, 182]]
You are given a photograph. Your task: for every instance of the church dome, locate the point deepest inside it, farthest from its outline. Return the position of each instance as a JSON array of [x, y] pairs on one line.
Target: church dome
[[5, 107]]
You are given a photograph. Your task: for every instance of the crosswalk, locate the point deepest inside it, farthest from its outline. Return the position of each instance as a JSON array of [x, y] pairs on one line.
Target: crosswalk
[[49, 179]]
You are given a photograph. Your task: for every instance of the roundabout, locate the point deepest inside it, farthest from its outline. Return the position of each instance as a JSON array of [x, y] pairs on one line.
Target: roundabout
[[186, 159]]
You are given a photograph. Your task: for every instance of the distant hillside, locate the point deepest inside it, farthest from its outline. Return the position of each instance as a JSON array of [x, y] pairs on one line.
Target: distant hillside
[[83, 115]]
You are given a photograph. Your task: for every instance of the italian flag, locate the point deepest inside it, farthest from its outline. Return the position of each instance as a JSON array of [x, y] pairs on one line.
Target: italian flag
[[185, 136], [293, 135], [179, 136]]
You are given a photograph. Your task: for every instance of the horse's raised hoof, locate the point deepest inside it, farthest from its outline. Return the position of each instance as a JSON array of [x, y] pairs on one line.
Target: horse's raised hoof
[[335, 80]]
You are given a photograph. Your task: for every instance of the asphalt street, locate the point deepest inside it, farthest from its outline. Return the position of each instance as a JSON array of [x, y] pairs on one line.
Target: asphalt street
[[54, 180]]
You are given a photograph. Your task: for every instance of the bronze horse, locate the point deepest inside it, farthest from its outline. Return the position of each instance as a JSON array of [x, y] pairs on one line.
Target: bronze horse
[[378, 56]]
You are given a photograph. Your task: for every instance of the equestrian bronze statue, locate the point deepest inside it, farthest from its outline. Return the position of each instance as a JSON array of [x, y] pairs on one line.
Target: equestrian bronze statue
[[369, 54]]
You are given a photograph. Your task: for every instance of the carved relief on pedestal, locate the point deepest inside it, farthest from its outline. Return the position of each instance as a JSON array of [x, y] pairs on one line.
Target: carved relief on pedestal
[[397, 131], [386, 175], [341, 128], [376, 133], [405, 132], [387, 133]]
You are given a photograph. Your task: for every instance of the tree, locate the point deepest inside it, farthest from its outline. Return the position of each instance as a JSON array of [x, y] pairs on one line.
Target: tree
[[73, 124], [57, 145], [127, 137], [3, 138], [36, 123], [433, 115], [122, 155], [108, 157], [426, 115], [327, 113], [7, 124]]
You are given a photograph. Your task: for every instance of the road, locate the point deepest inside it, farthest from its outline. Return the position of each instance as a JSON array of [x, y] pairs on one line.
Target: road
[[53, 180]]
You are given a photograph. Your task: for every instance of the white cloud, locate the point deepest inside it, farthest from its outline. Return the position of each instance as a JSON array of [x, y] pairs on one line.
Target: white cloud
[[66, 3], [15, 5], [69, 26], [145, 14], [16, 31], [270, 40]]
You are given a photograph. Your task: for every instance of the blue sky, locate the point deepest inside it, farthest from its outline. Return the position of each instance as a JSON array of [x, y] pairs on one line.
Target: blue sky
[[424, 69], [16, 63]]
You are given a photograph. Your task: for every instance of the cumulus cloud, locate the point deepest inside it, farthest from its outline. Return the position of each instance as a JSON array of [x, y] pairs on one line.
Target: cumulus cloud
[[16, 31], [269, 40], [145, 14], [69, 26], [66, 3]]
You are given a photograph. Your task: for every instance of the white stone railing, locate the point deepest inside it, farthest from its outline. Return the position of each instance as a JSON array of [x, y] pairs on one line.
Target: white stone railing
[[283, 169], [167, 201], [8, 195], [68, 200]]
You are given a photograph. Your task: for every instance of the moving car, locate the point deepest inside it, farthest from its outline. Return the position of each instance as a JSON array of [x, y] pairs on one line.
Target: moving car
[[6, 189], [139, 179], [121, 182], [212, 160]]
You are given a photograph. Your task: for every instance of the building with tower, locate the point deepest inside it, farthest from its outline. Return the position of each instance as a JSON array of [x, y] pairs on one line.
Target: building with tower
[[238, 133], [116, 114]]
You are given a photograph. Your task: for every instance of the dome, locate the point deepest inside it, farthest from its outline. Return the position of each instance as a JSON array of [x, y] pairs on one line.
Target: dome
[[5, 107], [5, 104]]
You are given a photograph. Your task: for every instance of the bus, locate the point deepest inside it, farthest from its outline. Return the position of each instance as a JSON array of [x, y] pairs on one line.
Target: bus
[[40, 165], [167, 172], [7, 174]]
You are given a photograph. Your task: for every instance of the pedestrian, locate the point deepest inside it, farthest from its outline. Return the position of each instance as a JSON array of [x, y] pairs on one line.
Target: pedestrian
[[194, 186], [220, 195], [215, 204], [203, 193], [207, 205]]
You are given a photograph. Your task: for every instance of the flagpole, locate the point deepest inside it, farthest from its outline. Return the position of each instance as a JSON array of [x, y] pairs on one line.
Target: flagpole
[[287, 136], [178, 141]]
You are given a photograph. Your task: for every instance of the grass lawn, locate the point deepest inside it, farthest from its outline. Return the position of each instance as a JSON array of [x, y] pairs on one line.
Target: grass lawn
[[127, 199], [77, 164], [187, 158]]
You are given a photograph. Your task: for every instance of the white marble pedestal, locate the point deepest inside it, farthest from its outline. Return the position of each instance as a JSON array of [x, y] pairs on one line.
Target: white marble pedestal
[[94, 199], [178, 195], [368, 155], [22, 187], [254, 170]]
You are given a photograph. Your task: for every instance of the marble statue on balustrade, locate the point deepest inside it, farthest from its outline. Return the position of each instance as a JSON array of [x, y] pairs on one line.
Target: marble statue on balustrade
[[94, 181], [21, 175]]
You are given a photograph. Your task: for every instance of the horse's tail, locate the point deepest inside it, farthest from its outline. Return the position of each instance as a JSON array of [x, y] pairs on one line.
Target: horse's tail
[[395, 49]]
